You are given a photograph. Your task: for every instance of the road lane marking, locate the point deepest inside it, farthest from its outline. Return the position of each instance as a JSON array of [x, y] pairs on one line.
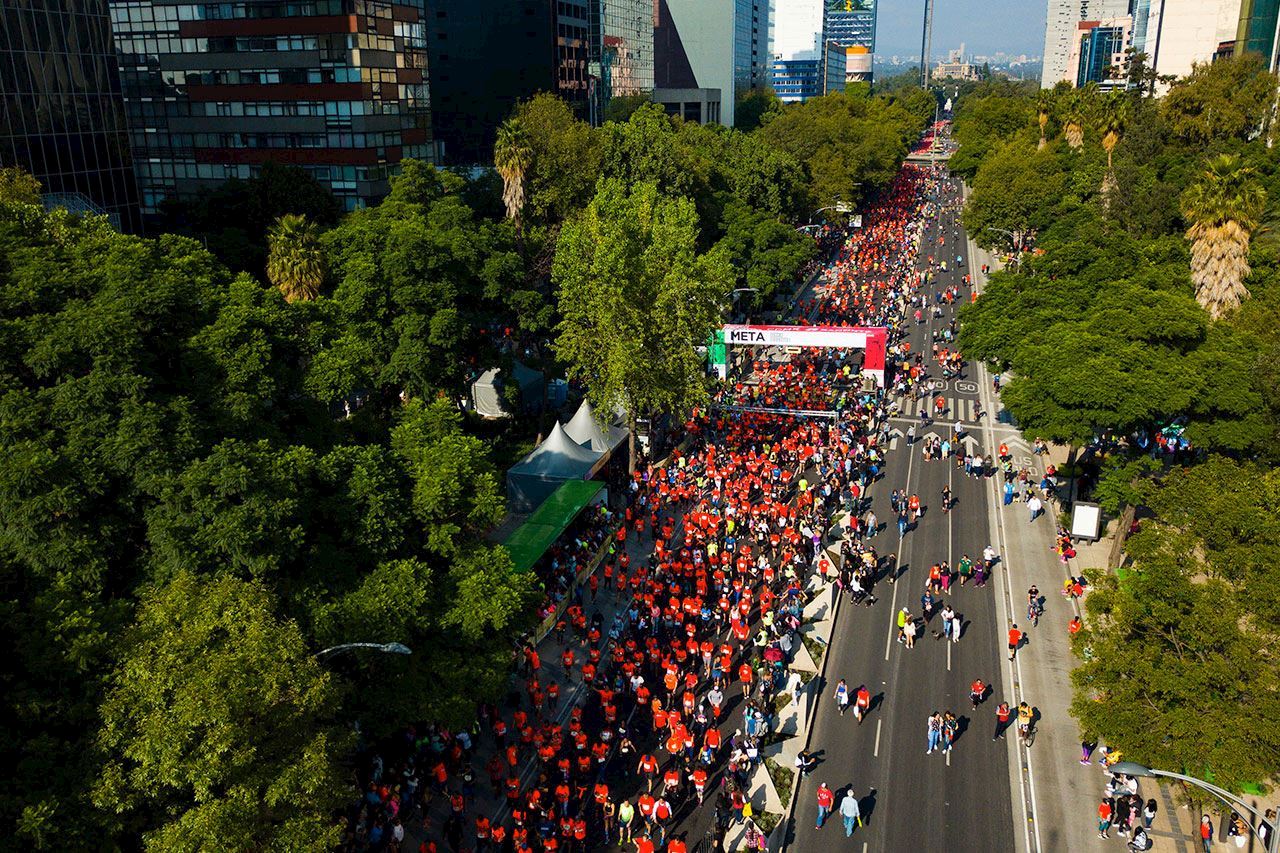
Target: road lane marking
[[875, 753]]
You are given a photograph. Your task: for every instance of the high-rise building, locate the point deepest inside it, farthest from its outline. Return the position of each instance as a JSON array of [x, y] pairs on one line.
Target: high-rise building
[[1181, 33], [1173, 34], [799, 70], [215, 90], [488, 54], [63, 117], [1061, 35], [622, 50], [851, 24], [799, 29], [1257, 28], [718, 48], [1098, 53], [752, 44]]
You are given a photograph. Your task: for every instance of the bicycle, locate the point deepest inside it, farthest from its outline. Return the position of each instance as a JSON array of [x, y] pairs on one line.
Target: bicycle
[[1027, 733], [1034, 611]]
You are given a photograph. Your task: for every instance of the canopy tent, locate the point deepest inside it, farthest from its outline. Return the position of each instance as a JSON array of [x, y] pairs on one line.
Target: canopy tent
[[584, 429], [486, 392], [531, 540], [557, 459]]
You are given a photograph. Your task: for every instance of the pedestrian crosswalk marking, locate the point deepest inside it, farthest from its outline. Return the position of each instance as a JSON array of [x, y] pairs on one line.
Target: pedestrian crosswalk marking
[[964, 409]]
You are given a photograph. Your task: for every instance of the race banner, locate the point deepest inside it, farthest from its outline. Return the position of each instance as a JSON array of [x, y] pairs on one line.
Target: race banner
[[872, 339]]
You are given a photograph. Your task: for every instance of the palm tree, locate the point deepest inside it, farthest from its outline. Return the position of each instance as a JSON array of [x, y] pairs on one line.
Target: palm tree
[[294, 260], [512, 157], [1044, 107], [1111, 121], [1224, 207], [1073, 119]]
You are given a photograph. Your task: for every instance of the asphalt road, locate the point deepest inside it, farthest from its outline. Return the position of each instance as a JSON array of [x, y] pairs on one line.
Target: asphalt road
[[910, 800]]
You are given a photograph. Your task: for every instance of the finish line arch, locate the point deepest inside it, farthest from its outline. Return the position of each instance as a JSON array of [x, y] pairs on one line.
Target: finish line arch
[[872, 340]]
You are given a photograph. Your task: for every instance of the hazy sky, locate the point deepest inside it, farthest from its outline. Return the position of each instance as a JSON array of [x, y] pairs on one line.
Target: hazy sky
[[985, 26]]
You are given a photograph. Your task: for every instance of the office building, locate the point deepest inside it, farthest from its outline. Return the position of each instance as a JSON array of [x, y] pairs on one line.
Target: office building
[[1062, 32], [63, 117], [1257, 28], [622, 36], [752, 44], [799, 69], [720, 47], [489, 54], [1098, 53], [214, 90], [799, 79], [1181, 33], [851, 24]]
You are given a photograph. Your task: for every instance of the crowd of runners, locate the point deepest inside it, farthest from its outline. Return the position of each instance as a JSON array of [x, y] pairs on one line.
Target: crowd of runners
[[641, 716]]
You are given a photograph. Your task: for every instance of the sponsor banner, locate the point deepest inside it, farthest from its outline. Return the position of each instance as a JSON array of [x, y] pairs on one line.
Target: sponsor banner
[[872, 339]]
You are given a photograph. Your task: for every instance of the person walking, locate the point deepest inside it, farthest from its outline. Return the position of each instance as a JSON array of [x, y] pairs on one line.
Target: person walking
[[850, 812], [842, 696], [1149, 813], [1036, 506], [950, 728], [1003, 715], [909, 631], [862, 704], [826, 799]]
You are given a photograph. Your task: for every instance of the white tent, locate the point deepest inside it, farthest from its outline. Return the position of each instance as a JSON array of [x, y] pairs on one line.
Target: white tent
[[585, 430], [486, 392], [557, 459]]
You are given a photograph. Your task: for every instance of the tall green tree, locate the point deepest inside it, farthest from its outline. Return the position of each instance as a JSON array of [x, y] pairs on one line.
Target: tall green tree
[[512, 157], [1171, 672], [1044, 109], [218, 726], [1112, 114], [295, 262], [637, 298], [1225, 99], [1222, 209]]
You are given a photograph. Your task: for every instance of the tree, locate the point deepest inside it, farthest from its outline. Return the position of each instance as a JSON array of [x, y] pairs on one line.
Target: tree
[[636, 299], [565, 163], [1015, 190], [621, 107], [1223, 208], [1171, 672], [512, 157], [1074, 109], [18, 186], [1113, 114], [1225, 99], [755, 107], [1044, 108], [217, 725], [295, 262]]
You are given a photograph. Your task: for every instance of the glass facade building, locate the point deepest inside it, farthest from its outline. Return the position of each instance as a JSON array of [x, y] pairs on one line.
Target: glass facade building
[[1257, 31], [752, 49], [215, 90], [798, 79], [63, 118], [1099, 47], [622, 49], [852, 23]]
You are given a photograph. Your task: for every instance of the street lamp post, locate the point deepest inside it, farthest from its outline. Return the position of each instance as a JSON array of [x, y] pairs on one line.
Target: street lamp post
[[1132, 768], [387, 648]]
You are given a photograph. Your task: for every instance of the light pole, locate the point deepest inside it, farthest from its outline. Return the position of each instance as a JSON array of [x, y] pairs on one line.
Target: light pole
[[387, 648], [1132, 768]]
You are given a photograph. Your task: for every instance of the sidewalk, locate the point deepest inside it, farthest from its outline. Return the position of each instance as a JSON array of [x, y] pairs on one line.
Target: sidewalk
[[1063, 794]]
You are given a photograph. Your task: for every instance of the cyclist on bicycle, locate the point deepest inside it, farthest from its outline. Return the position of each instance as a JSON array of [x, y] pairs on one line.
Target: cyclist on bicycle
[[1024, 720], [1034, 608]]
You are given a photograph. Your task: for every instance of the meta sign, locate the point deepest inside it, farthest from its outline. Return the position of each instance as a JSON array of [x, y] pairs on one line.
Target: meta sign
[[872, 340]]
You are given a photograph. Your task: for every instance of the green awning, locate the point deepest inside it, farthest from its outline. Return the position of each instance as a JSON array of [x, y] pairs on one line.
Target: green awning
[[531, 540]]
